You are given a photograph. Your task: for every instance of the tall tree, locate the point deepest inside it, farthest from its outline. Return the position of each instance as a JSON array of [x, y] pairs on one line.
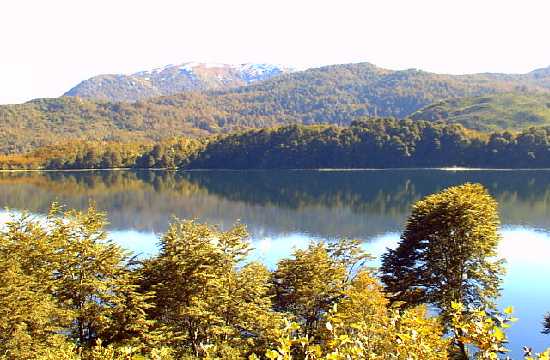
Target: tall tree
[[30, 317], [447, 252], [93, 281]]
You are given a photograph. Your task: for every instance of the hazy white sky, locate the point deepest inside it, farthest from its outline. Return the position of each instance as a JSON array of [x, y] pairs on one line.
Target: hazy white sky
[[48, 46]]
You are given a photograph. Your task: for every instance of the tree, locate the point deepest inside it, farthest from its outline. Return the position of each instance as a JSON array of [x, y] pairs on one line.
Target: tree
[[93, 281], [111, 159], [30, 317], [61, 279], [206, 297], [67, 292], [447, 252], [309, 284]]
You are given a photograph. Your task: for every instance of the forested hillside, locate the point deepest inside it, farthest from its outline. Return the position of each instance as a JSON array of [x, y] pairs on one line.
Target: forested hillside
[[373, 143], [338, 94], [389, 92], [376, 143], [45, 121]]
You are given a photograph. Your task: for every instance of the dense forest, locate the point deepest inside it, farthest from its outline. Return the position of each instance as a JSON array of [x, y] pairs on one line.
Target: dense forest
[[379, 143], [373, 143], [49, 121], [68, 292], [336, 95]]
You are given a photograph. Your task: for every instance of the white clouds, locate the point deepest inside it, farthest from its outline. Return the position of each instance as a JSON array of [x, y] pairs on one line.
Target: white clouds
[[64, 41]]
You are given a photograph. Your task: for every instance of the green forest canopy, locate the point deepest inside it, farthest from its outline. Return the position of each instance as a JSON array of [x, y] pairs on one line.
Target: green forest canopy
[[373, 143]]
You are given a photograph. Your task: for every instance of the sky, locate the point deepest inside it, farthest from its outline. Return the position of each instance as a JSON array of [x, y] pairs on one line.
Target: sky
[[48, 46]]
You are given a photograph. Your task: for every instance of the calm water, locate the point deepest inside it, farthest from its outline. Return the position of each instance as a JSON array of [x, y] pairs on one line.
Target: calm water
[[286, 209]]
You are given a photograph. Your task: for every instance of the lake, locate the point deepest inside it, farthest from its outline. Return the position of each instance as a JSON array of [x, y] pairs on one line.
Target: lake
[[287, 209]]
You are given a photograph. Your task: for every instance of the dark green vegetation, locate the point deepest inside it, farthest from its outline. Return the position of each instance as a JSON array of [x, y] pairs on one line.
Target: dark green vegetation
[[338, 94], [512, 111], [378, 143], [454, 234], [66, 292], [374, 143]]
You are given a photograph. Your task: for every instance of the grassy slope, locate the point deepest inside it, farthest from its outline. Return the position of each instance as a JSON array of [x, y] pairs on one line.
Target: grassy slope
[[512, 111]]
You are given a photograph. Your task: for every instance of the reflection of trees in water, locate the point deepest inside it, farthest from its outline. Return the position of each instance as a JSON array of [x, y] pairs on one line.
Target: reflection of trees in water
[[524, 196], [324, 204]]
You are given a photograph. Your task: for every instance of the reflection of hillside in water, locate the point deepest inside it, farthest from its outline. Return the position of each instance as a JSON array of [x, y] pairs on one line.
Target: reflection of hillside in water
[[323, 204]]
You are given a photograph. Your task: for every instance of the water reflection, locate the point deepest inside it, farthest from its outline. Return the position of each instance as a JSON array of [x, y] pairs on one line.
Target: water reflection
[[359, 204], [286, 209]]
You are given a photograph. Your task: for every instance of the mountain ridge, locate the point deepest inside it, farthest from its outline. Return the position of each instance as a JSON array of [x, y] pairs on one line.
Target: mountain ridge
[[211, 77], [173, 79]]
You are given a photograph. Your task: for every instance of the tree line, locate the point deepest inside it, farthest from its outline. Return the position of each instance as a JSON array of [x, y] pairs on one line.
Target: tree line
[[372, 143], [69, 292]]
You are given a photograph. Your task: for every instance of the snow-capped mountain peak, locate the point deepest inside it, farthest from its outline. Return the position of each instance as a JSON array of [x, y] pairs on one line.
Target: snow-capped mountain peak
[[171, 79]]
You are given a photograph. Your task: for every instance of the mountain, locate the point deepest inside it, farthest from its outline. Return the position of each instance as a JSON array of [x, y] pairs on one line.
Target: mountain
[[509, 111], [173, 79], [337, 94], [385, 92], [389, 92]]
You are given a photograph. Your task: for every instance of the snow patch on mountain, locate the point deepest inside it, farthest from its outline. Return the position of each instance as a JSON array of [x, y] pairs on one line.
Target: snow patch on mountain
[[172, 79], [258, 72]]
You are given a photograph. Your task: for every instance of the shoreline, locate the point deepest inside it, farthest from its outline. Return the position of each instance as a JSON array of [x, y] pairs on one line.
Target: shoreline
[[451, 169]]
